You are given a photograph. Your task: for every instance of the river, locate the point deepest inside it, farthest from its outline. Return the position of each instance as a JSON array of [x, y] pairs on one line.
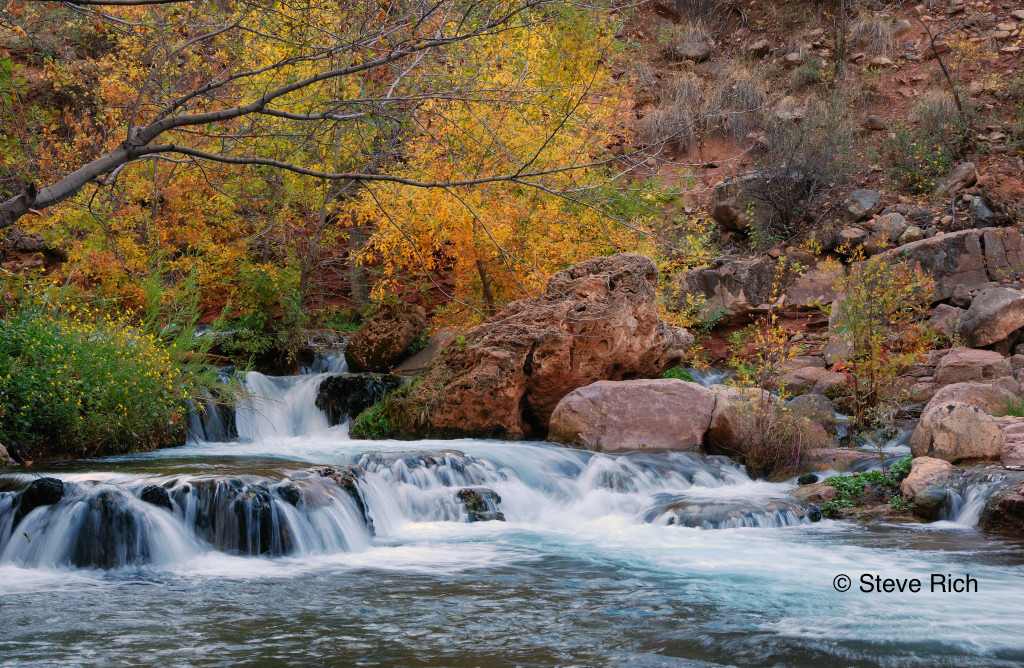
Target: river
[[261, 557]]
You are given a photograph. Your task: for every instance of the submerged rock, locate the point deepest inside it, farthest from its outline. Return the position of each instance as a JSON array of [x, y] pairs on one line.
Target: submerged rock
[[41, 492], [157, 496], [347, 477], [660, 414], [596, 321], [727, 513], [481, 504]]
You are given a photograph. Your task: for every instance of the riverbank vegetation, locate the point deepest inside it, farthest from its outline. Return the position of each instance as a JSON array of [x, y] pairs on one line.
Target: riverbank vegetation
[[245, 185]]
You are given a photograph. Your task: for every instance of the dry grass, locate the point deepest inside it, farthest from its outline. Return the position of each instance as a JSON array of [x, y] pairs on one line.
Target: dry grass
[[682, 41], [675, 121], [736, 106], [875, 34]]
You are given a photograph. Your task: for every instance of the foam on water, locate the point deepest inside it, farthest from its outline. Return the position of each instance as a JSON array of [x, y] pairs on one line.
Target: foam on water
[[390, 507]]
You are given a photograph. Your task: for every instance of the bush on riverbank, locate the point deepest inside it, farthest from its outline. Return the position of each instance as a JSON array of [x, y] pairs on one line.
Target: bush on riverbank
[[78, 383]]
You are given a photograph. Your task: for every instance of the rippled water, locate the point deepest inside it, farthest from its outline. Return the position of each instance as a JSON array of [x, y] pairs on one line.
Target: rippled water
[[585, 571]]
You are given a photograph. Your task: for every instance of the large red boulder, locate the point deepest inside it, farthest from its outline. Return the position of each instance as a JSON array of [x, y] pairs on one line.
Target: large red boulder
[[597, 320]]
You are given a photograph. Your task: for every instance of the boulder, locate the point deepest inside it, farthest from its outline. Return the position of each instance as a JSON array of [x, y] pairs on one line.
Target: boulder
[[994, 315], [691, 45], [481, 504], [925, 472], [862, 204], [815, 286], [961, 365], [734, 289], [158, 496], [813, 379], [885, 229], [965, 259], [1004, 510], [386, 337], [957, 432], [816, 408], [992, 397], [728, 513], [945, 319], [663, 414], [817, 493], [739, 423], [346, 395], [41, 492], [963, 176], [597, 320], [836, 459], [911, 234]]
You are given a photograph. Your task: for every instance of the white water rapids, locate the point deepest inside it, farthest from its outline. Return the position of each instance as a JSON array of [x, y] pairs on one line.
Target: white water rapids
[[378, 552]]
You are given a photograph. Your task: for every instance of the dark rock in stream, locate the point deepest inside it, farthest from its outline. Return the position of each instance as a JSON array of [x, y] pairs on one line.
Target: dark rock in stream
[[346, 395], [728, 513], [481, 504], [290, 493], [347, 477], [157, 496], [807, 479], [42, 492]]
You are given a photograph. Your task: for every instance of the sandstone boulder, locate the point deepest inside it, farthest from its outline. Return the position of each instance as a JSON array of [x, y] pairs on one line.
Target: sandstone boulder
[[965, 259], [597, 320], [744, 418], [862, 204], [957, 432], [994, 315], [813, 379], [961, 365], [1004, 510], [925, 472], [385, 338], [5, 458], [945, 319], [818, 493], [662, 414], [992, 397], [963, 176], [734, 289]]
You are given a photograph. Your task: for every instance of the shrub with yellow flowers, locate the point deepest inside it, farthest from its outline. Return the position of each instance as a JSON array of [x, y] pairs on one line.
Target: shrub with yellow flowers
[[77, 382]]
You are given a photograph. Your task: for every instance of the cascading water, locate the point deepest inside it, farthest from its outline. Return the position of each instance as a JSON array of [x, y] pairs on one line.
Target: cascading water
[[276, 406], [338, 551]]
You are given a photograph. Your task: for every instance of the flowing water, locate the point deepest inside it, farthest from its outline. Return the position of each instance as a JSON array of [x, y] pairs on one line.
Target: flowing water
[[295, 544]]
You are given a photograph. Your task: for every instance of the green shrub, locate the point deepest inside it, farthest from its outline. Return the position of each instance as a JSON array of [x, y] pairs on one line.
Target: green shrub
[[381, 420], [372, 423], [679, 373], [82, 384], [921, 155], [850, 488]]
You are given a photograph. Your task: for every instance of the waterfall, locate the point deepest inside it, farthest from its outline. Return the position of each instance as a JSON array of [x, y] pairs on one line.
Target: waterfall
[[351, 493], [276, 406], [965, 506]]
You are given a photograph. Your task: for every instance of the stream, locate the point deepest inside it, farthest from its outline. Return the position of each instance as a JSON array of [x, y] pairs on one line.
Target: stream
[[295, 544]]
